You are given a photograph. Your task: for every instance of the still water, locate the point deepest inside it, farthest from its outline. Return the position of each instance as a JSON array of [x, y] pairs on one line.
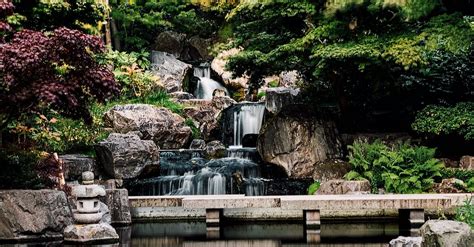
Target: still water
[[246, 234], [241, 234]]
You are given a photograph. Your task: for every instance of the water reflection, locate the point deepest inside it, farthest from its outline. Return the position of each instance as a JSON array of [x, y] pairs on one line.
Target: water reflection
[[241, 234], [195, 234]]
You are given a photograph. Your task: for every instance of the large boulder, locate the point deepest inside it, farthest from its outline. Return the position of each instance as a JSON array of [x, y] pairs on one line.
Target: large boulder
[[199, 48], [76, 164], [330, 170], [159, 124], [215, 150], [297, 140], [33, 215], [197, 144], [341, 187], [171, 72], [90, 233], [446, 233], [205, 114], [218, 66], [126, 156], [170, 42], [276, 98]]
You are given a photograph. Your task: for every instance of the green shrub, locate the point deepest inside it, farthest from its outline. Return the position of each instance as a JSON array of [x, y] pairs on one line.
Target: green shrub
[[461, 174], [465, 213], [440, 120], [18, 170], [54, 133], [314, 187], [399, 169], [130, 70]]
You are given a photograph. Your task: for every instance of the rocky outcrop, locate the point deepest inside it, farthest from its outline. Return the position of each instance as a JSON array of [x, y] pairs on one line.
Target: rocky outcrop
[[197, 144], [76, 164], [159, 124], [33, 215], [218, 66], [297, 140], [215, 150], [276, 98], [198, 48], [406, 242], [467, 162], [341, 187], [446, 233], [170, 42], [171, 72], [125, 156], [181, 96], [330, 170], [450, 185], [93, 233], [187, 49], [205, 114]]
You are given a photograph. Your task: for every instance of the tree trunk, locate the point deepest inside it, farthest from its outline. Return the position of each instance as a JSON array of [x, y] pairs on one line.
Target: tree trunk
[[114, 35]]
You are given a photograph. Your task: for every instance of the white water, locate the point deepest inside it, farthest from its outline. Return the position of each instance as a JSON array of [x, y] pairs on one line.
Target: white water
[[216, 178], [247, 121], [206, 86]]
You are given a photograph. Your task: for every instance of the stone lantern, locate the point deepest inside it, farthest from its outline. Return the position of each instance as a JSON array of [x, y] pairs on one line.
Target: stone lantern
[[88, 215]]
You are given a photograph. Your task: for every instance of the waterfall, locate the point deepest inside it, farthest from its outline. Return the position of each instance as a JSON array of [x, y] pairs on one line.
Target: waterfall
[[216, 177], [243, 153], [206, 86], [247, 120]]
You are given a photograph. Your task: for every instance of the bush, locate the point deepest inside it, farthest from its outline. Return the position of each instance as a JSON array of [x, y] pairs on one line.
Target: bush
[[130, 70], [314, 187], [53, 133], [465, 213], [467, 176], [441, 120], [399, 169], [19, 170]]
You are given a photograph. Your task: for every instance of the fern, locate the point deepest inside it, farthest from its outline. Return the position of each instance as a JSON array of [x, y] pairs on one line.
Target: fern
[[402, 168]]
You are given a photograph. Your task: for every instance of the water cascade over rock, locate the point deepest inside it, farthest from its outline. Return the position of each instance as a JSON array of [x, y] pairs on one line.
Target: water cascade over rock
[[186, 172], [206, 86], [240, 120]]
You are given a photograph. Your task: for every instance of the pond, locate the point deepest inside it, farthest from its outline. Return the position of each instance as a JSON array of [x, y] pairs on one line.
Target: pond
[[243, 234]]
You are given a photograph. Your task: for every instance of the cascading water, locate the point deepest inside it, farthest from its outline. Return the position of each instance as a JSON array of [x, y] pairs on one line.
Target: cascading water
[[206, 86], [184, 172], [247, 120]]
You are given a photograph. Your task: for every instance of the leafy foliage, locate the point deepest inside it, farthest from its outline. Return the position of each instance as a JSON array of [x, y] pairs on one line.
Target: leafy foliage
[[467, 176], [400, 169], [465, 213], [140, 23], [56, 70], [74, 14], [55, 133], [196, 132], [366, 56], [18, 170], [441, 120], [314, 187]]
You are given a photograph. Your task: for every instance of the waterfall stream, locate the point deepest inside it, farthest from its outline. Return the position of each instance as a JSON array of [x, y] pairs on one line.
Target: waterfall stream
[[247, 119], [206, 86], [184, 172]]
